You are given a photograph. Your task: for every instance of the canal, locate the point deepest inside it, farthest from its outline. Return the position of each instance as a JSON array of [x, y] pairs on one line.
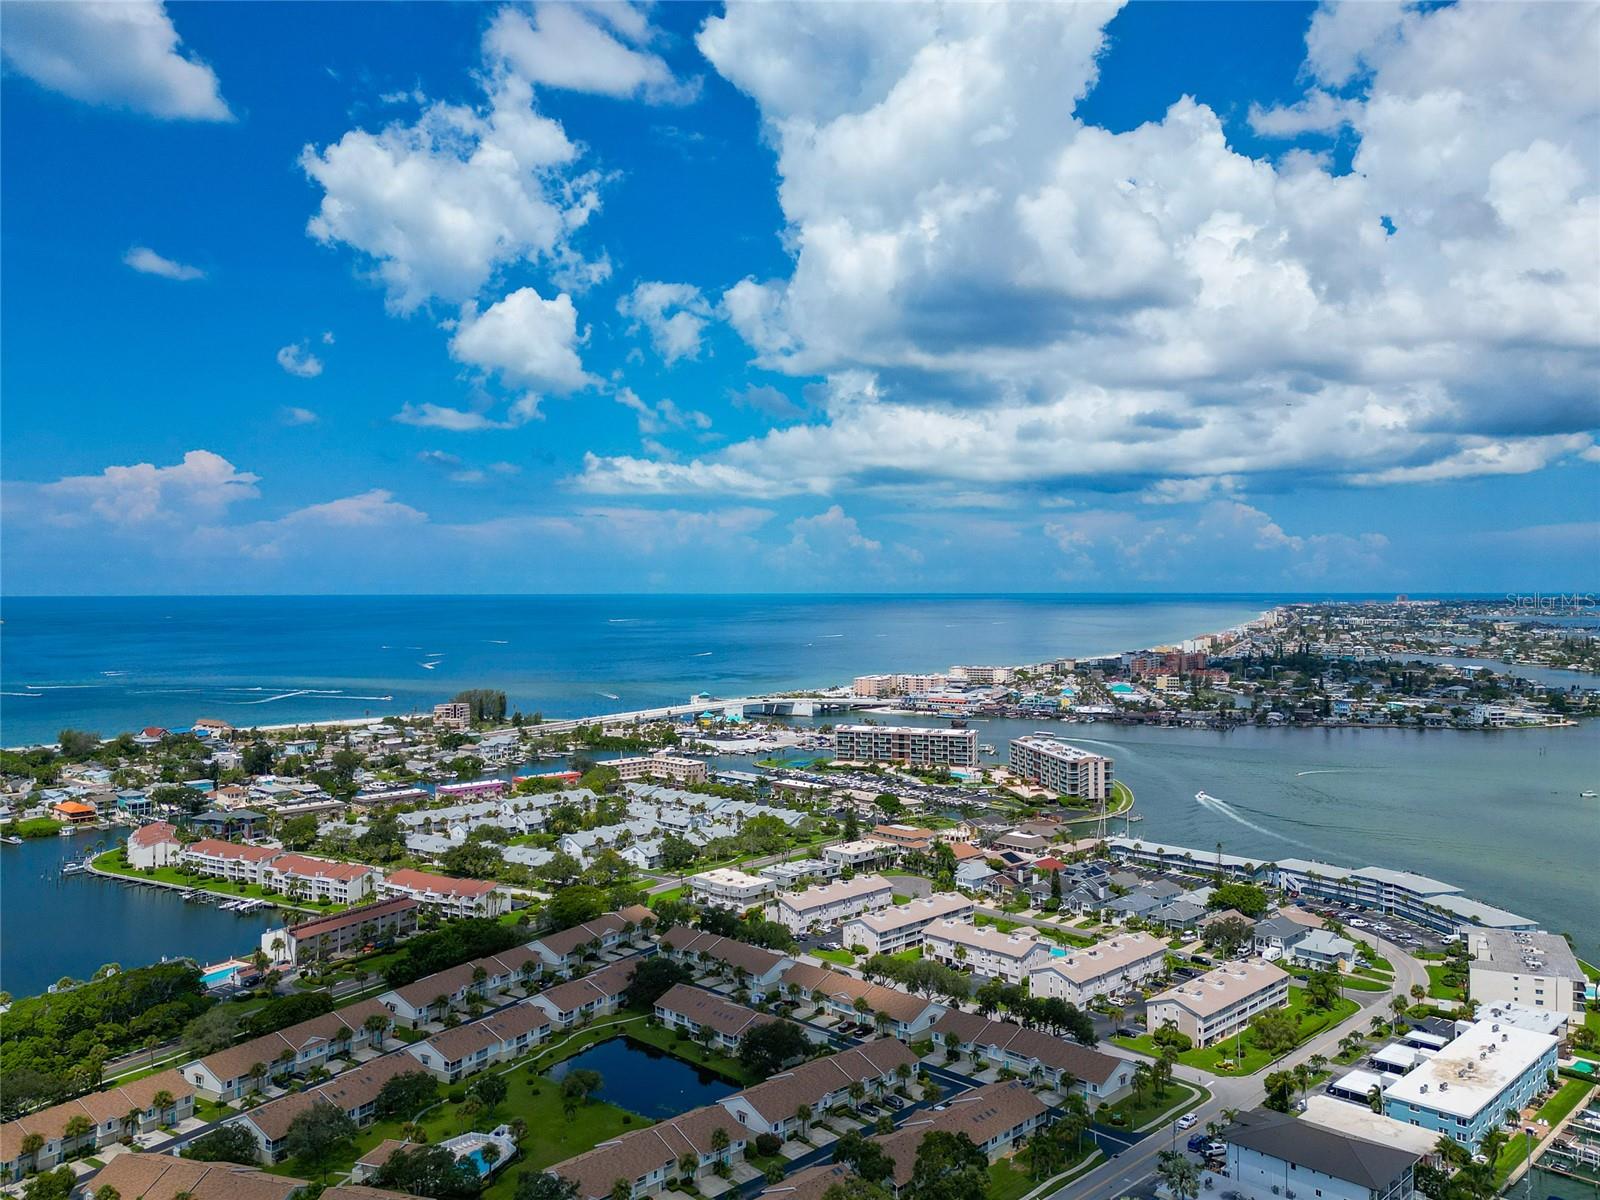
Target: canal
[[52, 925], [646, 1080]]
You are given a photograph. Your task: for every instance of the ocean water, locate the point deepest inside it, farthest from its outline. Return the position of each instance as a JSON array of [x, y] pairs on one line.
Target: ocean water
[[110, 664]]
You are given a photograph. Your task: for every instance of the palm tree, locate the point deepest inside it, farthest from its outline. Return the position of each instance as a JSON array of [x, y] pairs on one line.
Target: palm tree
[[1143, 1078], [1398, 1005], [375, 1025], [719, 1143], [803, 1115], [688, 1164], [76, 1129], [258, 1072], [32, 1143], [1417, 991], [1179, 1173], [858, 1093], [132, 1120], [162, 1101]]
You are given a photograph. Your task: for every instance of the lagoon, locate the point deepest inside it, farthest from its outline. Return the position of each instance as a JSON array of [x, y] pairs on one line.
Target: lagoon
[[646, 1080]]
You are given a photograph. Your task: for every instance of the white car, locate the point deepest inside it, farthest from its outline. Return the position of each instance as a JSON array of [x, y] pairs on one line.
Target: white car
[[1358, 923], [1188, 1120]]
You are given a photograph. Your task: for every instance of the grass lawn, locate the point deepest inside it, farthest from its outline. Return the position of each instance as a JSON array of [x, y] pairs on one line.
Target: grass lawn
[[1592, 1019], [1252, 1058], [1002, 925], [843, 957], [691, 1051], [1438, 988], [36, 827], [1377, 962], [1008, 1182], [216, 887], [899, 899], [911, 955], [1567, 1098], [1180, 1097], [1589, 969], [1352, 983], [670, 894]]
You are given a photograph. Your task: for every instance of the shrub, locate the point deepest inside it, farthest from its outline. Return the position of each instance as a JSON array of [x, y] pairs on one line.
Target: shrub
[[768, 1144]]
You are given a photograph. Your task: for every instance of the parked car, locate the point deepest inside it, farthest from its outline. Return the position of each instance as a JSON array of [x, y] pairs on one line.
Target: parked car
[[1197, 1142], [894, 1102]]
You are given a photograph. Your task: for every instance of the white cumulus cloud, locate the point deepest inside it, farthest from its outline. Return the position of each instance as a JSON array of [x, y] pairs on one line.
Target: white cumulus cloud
[[118, 53], [601, 48], [299, 361], [675, 314]]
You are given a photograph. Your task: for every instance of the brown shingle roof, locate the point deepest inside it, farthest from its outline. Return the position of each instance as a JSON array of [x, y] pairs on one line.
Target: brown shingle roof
[[607, 981], [567, 940], [106, 1105], [780, 1097], [754, 959], [636, 1154], [711, 1010], [1079, 1061], [163, 1177], [836, 985], [981, 1114]]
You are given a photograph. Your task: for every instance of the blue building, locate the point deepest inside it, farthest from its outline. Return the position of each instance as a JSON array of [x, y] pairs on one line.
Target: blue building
[[1465, 1088]]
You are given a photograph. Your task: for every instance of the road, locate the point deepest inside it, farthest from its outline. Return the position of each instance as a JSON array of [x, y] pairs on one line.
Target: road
[[1134, 1167]]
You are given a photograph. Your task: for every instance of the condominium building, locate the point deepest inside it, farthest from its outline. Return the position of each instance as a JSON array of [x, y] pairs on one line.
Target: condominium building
[[1044, 759], [1270, 1153], [826, 905], [901, 926], [1221, 1002], [659, 766], [450, 897], [308, 878], [981, 676], [231, 861], [726, 887], [342, 933], [905, 837], [1466, 1088], [915, 745], [1535, 970], [1427, 902], [1164, 857], [1031, 1052], [694, 1009], [984, 950], [865, 852], [454, 715], [878, 686], [154, 845], [1102, 969]]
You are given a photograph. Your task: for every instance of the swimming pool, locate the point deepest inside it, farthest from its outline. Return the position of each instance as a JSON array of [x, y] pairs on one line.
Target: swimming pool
[[1057, 952], [226, 973]]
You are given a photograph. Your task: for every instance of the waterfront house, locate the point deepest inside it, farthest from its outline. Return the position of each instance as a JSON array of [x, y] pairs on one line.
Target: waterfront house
[[1221, 1002], [114, 1114], [692, 1009], [446, 896], [1466, 1088], [218, 823], [646, 1159], [581, 1000], [1079, 976], [74, 812], [760, 968], [348, 932], [154, 845], [1056, 1061], [773, 1106], [1322, 948]]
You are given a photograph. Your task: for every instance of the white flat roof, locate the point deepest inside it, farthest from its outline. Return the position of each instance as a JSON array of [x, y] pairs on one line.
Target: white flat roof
[[898, 916], [1360, 1082], [732, 877], [1358, 1120], [1472, 1070]]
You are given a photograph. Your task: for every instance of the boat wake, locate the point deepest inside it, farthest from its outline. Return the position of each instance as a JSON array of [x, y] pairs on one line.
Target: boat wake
[[427, 666], [610, 695], [1223, 809], [701, 654]]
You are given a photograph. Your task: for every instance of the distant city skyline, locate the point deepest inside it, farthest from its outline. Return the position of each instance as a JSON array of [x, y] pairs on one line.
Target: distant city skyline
[[828, 297]]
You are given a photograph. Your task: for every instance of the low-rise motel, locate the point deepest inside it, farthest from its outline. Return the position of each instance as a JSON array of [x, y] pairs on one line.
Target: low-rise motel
[[828, 904], [902, 926], [914, 745], [1221, 1002]]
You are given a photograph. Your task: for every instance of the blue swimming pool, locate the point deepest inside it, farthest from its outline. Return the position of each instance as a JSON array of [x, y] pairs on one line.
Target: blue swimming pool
[[480, 1164], [219, 975]]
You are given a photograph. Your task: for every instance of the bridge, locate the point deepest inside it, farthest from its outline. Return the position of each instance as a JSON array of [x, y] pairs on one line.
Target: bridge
[[743, 706]]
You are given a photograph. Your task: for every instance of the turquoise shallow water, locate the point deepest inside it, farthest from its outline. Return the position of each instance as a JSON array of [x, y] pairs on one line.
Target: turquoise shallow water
[[109, 664]]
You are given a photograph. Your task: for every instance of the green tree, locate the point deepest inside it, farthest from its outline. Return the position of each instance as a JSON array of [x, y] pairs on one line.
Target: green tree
[[1247, 898], [1280, 1088], [542, 1185], [866, 1156], [654, 978], [226, 1143], [491, 1090], [1179, 1173], [318, 1135], [576, 905], [948, 1167], [428, 1171], [770, 1046], [1274, 1031]]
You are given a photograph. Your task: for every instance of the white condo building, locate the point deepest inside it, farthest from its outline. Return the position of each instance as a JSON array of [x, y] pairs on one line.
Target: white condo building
[[901, 926], [1046, 760], [1107, 967], [828, 904], [984, 949], [1534, 970], [916, 745], [726, 887], [1221, 1002]]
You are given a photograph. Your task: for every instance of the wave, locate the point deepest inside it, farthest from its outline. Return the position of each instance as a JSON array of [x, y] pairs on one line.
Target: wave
[[1223, 809], [830, 635], [29, 695], [1332, 771], [497, 641], [427, 666], [609, 695]]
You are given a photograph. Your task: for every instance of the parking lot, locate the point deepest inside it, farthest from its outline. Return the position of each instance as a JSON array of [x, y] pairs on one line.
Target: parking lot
[[1391, 928]]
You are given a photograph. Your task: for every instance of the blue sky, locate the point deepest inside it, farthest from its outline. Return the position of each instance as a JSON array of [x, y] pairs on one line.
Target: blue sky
[[827, 297]]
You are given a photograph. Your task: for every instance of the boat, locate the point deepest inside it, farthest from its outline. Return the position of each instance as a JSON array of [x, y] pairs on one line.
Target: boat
[[73, 868], [1588, 795], [11, 839]]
